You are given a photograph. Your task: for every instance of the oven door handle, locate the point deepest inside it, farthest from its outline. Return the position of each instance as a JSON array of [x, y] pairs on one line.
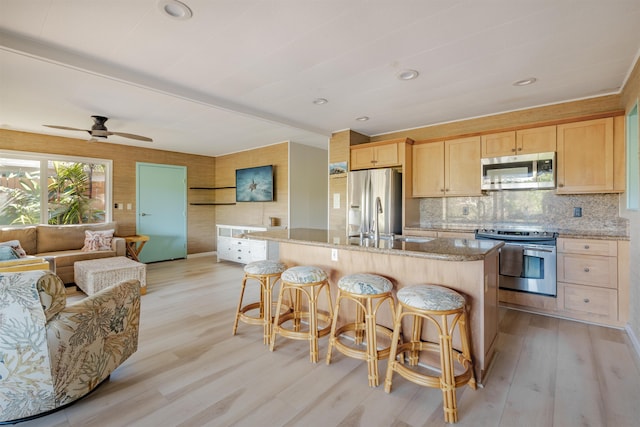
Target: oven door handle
[[536, 252]]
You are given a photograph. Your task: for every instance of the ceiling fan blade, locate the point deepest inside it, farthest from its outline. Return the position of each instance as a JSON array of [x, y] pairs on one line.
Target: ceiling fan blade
[[131, 135], [65, 128]]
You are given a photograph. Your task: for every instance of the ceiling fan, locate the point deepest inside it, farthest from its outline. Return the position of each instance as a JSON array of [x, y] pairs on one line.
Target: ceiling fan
[[99, 130]]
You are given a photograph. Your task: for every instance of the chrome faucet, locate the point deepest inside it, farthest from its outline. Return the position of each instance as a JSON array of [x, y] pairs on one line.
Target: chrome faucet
[[378, 209]]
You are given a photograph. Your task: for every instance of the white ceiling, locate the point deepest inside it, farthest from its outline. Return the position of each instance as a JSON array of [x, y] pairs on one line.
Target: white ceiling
[[243, 73]]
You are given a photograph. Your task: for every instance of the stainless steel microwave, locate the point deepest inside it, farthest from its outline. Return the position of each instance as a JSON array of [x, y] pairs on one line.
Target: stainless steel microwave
[[519, 172]]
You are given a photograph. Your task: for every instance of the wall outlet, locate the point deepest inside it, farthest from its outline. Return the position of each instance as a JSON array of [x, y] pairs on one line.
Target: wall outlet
[[334, 254], [577, 212], [465, 210]]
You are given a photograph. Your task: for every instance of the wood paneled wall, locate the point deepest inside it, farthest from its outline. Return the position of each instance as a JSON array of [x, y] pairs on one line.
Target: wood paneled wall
[[200, 172], [253, 213]]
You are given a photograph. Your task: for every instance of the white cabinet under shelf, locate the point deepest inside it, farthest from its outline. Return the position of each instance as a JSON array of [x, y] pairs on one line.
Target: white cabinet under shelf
[[234, 245]]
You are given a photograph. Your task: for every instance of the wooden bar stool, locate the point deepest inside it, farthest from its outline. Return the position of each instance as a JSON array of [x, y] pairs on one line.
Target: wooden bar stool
[[435, 304], [309, 281], [267, 273], [368, 292]]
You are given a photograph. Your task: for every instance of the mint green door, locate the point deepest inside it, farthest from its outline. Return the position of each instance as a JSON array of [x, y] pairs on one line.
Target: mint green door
[[161, 206]]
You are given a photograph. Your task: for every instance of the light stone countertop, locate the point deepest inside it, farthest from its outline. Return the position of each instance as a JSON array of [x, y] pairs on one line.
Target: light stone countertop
[[596, 234], [437, 248]]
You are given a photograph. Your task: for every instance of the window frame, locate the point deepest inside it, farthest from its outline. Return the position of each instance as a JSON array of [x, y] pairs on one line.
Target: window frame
[[44, 158]]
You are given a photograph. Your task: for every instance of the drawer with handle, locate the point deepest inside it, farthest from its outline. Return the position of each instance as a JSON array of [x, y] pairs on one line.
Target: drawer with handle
[[585, 300], [588, 247], [588, 270]]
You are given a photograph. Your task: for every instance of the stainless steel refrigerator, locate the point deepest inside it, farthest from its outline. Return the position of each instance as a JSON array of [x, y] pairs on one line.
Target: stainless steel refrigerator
[[374, 194]]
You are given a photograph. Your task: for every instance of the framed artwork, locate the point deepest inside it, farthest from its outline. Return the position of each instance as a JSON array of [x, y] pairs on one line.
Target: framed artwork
[[255, 184], [338, 168]]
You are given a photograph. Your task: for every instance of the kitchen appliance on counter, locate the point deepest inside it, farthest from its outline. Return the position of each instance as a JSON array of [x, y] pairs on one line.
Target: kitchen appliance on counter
[[527, 260], [524, 171], [374, 202]]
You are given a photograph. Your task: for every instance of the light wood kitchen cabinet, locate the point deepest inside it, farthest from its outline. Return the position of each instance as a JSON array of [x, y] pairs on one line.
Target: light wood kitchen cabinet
[[586, 157], [525, 141], [428, 169], [375, 155], [447, 168], [588, 279]]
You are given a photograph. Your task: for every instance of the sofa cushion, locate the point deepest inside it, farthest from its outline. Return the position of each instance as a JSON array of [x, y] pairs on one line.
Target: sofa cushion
[[25, 235], [8, 253], [53, 238], [15, 246], [67, 258], [97, 240]]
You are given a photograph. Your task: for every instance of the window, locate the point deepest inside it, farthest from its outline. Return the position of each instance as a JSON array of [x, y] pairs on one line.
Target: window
[[47, 189], [633, 160]]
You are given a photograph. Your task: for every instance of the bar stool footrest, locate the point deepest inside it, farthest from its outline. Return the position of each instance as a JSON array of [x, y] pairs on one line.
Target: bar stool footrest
[[351, 351]]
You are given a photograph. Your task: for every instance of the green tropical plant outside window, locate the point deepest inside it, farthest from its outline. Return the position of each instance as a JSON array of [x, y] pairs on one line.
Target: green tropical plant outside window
[[74, 191]]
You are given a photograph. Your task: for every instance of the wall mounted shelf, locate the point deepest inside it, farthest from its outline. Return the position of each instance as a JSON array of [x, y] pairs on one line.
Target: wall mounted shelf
[[209, 188], [211, 203]]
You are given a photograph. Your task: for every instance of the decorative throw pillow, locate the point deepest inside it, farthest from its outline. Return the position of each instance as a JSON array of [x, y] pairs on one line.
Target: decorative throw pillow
[[97, 240], [15, 245], [7, 253]]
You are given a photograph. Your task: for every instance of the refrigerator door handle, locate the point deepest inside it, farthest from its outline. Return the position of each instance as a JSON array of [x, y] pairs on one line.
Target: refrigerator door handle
[[366, 203]]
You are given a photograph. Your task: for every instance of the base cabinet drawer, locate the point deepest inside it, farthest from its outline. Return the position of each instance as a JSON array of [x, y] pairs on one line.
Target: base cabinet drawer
[[599, 271], [588, 247], [587, 301]]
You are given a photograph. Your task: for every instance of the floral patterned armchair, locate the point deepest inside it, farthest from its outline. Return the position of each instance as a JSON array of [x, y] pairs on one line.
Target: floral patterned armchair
[[51, 353]]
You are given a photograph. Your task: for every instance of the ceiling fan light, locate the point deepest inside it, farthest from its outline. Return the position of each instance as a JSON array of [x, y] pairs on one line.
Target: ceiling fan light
[[175, 9], [320, 101]]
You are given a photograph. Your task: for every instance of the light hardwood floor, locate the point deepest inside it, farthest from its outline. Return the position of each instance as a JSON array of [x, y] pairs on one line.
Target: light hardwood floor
[[190, 371]]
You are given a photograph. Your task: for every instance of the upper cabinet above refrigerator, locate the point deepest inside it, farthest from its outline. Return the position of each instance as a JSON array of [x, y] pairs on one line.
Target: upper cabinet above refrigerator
[[376, 155]]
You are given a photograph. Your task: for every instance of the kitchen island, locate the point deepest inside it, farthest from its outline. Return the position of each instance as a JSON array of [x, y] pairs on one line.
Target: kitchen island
[[468, 266]]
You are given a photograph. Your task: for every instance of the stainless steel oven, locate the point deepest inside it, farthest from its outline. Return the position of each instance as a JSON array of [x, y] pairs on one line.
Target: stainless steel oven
[[527, 260]]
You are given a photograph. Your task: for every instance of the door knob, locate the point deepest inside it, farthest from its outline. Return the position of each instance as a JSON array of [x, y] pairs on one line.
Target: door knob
[[144, 214]]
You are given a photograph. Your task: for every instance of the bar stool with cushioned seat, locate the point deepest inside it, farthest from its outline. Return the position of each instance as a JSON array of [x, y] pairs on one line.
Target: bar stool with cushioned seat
[[267, 273], [309, 281], [435, 304], [368, 292]]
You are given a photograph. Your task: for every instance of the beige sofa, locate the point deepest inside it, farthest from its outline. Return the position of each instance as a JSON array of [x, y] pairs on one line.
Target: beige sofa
[[62, 244]]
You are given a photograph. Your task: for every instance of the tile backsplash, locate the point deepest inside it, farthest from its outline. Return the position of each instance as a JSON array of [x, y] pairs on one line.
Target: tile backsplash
[[538, 210]]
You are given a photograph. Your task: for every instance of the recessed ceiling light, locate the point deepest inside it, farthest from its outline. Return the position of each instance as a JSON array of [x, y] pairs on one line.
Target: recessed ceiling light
[[320, 101], [525, 82], [362, 118], [175, 9], [407, 74]]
